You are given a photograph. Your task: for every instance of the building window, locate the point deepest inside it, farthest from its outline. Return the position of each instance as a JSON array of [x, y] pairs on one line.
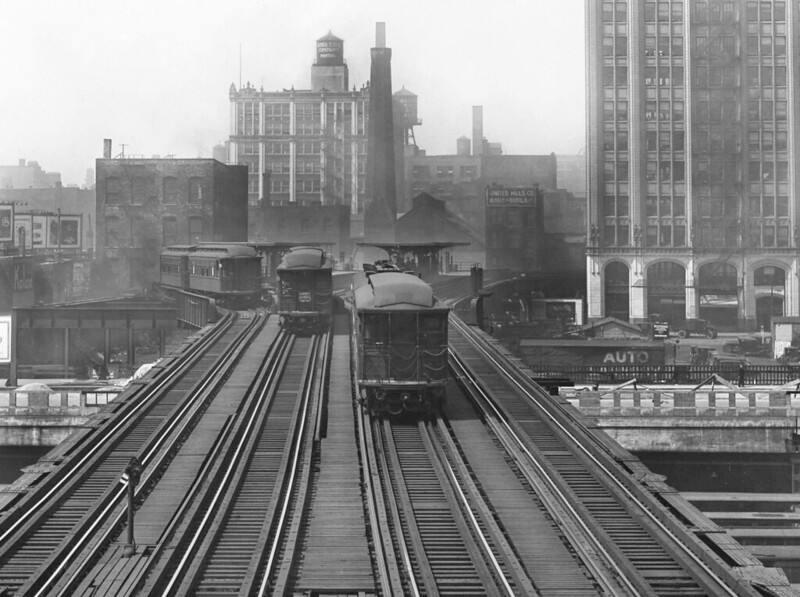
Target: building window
[[195, 229], [195, 190], [112, 190], [112, 231], [169, 231], [170, 189]]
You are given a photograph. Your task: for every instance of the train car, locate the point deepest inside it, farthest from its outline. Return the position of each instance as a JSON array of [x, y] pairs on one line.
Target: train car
[[175, 266], [305, 290], [228, 272], [400, 345]]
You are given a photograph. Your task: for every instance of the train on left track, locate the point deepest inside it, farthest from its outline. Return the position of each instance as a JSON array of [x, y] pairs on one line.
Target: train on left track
[[230, 273], [305, 290], [399, 343]]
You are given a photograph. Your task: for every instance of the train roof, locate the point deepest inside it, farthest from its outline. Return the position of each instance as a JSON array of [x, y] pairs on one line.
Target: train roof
[[304, 258], [223, 251], [178, 251], [395, 290]]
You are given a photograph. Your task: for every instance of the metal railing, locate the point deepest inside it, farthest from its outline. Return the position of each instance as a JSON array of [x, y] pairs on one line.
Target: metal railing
[[671, 374]]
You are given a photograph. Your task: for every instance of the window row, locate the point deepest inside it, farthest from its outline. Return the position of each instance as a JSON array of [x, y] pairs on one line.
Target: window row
[[766, 110], [665, 205], [663, 75], [663, 46], [766, 11], [768, 234], [140, 189], [766, 46], [767, 140], [665, 235], [663, 11], [769, 206], [714, 11], [136, 232]]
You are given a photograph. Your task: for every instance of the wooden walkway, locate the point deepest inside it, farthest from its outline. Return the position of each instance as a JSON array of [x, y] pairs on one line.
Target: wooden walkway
[[336, 557]]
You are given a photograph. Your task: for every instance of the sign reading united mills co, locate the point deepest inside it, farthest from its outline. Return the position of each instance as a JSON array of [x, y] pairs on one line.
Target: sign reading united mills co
[[521, 196]]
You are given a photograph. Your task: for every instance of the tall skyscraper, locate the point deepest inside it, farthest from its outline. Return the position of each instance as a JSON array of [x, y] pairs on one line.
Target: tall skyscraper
[[692, 161]]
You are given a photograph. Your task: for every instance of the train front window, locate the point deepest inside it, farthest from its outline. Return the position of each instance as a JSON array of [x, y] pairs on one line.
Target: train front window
[[404, 328], [375, 328], [431, 328]]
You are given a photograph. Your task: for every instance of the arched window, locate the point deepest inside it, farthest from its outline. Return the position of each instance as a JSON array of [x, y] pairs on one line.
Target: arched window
[[666, 291], [770, 288], [717, 290]]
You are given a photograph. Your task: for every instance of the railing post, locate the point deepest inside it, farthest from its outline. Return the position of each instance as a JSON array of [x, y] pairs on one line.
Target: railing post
[[133, 471]]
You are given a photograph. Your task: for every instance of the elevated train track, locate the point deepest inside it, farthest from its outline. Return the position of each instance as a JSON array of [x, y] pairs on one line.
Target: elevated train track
[[503, 493]]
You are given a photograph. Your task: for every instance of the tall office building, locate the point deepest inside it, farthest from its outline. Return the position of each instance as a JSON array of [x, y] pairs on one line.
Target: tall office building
[[304, 146], [692, 160]]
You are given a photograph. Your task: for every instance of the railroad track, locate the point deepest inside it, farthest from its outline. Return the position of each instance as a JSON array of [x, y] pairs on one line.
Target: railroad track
[[628, 542], [73, 512], [438, 536], [239, 533]]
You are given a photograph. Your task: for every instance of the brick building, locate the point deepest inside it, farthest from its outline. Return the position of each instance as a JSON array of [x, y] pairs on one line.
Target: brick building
[[144, 205]]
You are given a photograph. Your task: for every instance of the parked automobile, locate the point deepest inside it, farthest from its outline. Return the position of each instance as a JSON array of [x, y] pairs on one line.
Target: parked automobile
[[699, 327], [748, 345]]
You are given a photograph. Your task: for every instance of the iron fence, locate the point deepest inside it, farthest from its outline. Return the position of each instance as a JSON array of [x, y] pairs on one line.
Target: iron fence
[[670, 374]]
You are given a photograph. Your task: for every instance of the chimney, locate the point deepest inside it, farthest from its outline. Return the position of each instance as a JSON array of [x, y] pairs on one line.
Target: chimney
[[380, 35], [380, 208]]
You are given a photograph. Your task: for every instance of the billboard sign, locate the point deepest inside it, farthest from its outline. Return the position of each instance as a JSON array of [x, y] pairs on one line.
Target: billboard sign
[[6, 223], [498, 197], [23, 226], [5, 338], [63, 232]]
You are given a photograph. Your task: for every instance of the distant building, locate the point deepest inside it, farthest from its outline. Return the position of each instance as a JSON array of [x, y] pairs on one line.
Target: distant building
[[38, 205], [572, 174], [144, 205], [303, 146], [324, 225], [27, 175]]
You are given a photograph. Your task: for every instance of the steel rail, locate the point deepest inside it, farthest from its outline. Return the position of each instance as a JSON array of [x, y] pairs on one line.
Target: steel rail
[[284, 344], [179, 422], [563, 502], [511, 376], [387, 568], [116, 426], [293, 471], [466, 507]]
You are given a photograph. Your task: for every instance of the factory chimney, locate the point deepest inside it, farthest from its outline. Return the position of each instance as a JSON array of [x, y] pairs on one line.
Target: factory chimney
[[380, 209]]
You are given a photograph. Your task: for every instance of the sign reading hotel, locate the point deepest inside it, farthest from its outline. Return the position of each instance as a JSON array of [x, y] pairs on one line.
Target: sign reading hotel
[[6, 223], [497, 197], [5, 338]]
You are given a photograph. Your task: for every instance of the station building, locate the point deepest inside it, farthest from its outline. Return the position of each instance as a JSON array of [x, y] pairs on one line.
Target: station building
[[692, 161], [144, 205]]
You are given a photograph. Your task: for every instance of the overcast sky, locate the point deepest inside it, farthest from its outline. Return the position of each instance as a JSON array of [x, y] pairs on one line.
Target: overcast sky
[[154, 74]]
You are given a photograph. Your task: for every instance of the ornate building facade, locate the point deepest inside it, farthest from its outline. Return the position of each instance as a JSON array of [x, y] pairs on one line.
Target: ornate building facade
[[692, 161]]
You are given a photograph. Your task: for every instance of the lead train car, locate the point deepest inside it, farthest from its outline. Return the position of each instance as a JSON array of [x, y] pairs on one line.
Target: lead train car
[[400, 345], [305, 290]]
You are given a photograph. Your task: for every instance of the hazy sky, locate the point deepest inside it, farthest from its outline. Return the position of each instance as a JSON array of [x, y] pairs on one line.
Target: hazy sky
[[154, 74]]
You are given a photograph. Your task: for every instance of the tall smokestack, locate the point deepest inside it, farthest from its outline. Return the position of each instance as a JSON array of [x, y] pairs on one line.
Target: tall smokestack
[[477, 130], [380, 209]]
